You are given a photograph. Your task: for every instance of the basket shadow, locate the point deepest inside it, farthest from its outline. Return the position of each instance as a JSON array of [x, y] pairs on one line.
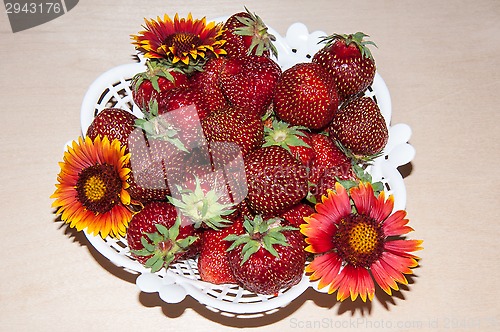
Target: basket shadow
[[81, 239], [322, 300]]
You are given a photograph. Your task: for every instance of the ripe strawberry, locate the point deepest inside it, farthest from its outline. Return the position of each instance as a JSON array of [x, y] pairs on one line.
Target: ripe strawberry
[[349, 60], [360, 128], [213, 263], [246, 34], [268, 257], [180, 97], [236, 125], [328, 158], [275, 180], [249, 82], [295, 214], [306, 96], [157, 237], [329, 164], [157, 158], [294, 139], [148, 85], [206, 82], [182, 109], [114, 123]]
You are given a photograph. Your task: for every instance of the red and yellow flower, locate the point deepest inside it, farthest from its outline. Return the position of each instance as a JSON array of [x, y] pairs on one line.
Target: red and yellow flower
[[91, 190], [355, 245], [181, 42]]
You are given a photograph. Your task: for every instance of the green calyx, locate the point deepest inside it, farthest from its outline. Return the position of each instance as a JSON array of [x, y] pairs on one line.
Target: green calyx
[[187, 69], [356, 158], [361, 176], [284, 135], [358, 39], [203, 208], [259, 233], [163, 246], [154, 71], [157, 127], [255, 27]]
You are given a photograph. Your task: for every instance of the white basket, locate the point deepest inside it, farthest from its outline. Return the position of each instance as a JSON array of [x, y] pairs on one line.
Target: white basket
[[112, 89]]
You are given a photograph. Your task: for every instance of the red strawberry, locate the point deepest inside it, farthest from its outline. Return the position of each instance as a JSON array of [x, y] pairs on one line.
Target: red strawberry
[[306, 96], [157, 238], [114, 123], [268, 257], [157, 157], [329, 164], [182, 109], [360, 128], [235, 125], [275, 180], [213, 263], [249, 82], [206, 82], [246, 34], [328, 157], [349, 60], [148, 85], [294, 139], [295, 214]]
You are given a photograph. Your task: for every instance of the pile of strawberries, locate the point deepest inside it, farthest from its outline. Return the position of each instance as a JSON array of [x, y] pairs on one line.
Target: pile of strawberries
[[228, 159]]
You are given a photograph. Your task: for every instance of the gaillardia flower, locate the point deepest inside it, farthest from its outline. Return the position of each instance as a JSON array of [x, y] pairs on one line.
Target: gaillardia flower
[[91, 192], [182, 43], [356, 244]]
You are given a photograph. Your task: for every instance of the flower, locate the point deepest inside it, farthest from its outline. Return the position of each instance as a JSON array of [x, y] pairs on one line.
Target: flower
[[184, 42], [356, 244], [91, 190]]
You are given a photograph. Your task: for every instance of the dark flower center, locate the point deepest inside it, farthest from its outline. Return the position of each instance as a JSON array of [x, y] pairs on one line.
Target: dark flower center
[[359, 240], [182, 42], [98, 188]]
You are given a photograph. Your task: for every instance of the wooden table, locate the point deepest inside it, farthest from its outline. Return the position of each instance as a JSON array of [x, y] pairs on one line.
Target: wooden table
[[440, 60]]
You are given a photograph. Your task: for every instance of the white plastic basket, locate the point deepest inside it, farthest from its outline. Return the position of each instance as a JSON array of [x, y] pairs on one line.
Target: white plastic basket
[[112, 89]]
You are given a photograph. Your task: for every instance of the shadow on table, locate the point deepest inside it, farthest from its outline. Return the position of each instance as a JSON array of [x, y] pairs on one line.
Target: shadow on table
[[326, 301]]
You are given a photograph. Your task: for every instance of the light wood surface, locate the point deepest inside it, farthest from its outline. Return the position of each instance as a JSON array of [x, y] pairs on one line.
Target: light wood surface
[[441, 62]]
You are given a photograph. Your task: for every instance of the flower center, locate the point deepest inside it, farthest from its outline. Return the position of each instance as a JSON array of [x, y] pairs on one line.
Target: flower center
[[98, 188], [359, 240], [182, 42]]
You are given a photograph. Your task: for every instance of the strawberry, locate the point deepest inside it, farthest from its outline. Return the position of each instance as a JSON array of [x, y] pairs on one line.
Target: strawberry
[[157, 157], [182, 108], [213, 263], [249, 82], [152, 163], [295, 214], [349, 60], [235, 125], [180, 97], [306, 96], [328, 158], [360, 128], [150, 84], [268, 257], [206, 82], [114, 123], [294, 139], [157, 237], [329, 164], [246, 34], [275, 180]]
